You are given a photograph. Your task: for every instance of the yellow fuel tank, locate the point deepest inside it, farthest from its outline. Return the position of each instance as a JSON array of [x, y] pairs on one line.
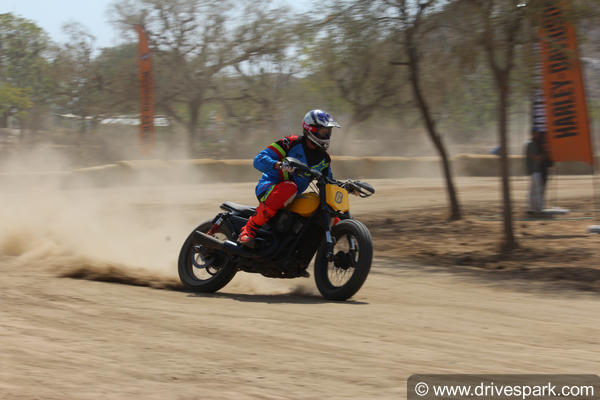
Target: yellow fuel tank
[[305, 205]]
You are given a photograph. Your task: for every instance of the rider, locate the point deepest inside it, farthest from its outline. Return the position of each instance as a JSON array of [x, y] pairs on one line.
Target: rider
[[278, 186]]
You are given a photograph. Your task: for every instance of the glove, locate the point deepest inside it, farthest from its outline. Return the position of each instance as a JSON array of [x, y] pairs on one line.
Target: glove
[[285, 167]]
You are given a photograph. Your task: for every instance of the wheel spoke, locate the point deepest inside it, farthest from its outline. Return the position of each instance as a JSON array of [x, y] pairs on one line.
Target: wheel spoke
[[341, 276], [341, 270], [204, 267]]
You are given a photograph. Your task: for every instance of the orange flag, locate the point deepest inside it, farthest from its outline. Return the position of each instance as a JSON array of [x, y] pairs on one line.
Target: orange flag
[[146, 134], [568, 134]]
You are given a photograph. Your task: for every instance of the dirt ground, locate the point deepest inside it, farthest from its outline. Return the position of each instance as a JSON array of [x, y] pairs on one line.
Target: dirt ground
[[90, 306]]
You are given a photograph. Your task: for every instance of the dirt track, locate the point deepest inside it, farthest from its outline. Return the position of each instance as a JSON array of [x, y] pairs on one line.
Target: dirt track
[[64, 338]]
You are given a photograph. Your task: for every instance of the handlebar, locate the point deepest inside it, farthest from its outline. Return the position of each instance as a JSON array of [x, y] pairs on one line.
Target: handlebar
[[363, 189]]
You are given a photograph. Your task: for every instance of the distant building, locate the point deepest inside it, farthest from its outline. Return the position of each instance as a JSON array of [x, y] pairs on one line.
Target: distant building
[[133, 120], [159, 120]]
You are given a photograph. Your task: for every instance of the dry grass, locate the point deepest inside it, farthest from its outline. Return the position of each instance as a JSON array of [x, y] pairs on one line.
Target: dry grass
[[558, 249]]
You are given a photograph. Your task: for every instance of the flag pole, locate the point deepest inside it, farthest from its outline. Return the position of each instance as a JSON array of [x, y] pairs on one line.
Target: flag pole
[[146, 130]]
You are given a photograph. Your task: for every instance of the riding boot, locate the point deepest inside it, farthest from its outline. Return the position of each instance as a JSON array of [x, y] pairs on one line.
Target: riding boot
[[260, 217]]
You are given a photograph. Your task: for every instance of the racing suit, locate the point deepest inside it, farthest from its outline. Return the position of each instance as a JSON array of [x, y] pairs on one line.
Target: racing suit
[[277, 188]]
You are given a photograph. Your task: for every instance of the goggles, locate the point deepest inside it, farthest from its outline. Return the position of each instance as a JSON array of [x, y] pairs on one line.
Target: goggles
[[323, 132]]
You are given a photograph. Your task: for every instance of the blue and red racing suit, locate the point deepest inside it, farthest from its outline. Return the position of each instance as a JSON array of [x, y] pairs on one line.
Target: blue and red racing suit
[[270, 189]]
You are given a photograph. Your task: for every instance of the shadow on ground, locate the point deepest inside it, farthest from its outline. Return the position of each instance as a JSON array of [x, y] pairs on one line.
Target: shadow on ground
[[292, 297], [143, 278]]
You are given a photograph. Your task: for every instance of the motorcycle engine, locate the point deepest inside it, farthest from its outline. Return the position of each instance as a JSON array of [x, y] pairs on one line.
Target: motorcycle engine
[[284, 222]]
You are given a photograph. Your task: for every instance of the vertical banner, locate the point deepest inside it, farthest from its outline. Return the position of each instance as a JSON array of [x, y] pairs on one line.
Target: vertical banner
[[146, 133], [568, 130]]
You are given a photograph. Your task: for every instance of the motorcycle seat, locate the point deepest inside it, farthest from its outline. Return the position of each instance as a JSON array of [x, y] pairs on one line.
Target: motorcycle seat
[[240, 209]]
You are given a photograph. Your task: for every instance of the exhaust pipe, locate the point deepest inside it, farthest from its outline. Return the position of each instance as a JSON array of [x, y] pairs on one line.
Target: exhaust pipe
[[227, 246]]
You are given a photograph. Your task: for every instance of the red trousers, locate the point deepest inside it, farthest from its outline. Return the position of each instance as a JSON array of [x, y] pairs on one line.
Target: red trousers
[[278, 196]]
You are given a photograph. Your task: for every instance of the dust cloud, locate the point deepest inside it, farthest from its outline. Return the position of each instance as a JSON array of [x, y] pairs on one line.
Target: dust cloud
[[129, 232]]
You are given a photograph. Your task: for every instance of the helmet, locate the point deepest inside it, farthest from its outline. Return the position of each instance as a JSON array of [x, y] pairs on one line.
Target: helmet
[[317, 126]]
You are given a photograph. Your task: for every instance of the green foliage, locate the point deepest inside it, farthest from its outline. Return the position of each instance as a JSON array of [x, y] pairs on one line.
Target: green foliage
[[14, 101], [116, 73], [22, 45], [24, 66]]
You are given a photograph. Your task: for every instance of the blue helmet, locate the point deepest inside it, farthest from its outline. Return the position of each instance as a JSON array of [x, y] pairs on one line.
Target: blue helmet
[[317, 126]]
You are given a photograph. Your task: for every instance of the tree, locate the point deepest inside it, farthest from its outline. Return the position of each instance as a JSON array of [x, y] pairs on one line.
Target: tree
[[14, 101], [117, 76], [195, 42], [412, 31], [496, 26], [404, 24], [24, 78], [79, 81], [352, 51], [254, 101]]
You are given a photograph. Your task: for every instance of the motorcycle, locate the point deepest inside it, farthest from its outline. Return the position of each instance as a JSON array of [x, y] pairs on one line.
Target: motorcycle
[[317, 221]]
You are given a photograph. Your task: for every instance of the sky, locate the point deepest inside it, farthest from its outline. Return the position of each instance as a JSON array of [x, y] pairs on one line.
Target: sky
[[51, 15]]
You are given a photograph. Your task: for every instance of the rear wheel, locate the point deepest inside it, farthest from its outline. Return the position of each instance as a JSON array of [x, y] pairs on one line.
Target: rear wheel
[[202, 269], [342, 277]]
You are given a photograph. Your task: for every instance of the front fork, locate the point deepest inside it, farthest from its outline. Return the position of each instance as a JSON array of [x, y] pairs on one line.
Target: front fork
[[330, 244], [327, 224]]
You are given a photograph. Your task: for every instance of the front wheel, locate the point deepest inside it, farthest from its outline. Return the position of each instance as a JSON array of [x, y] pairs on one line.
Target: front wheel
[[342, 277], [202, 269]]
